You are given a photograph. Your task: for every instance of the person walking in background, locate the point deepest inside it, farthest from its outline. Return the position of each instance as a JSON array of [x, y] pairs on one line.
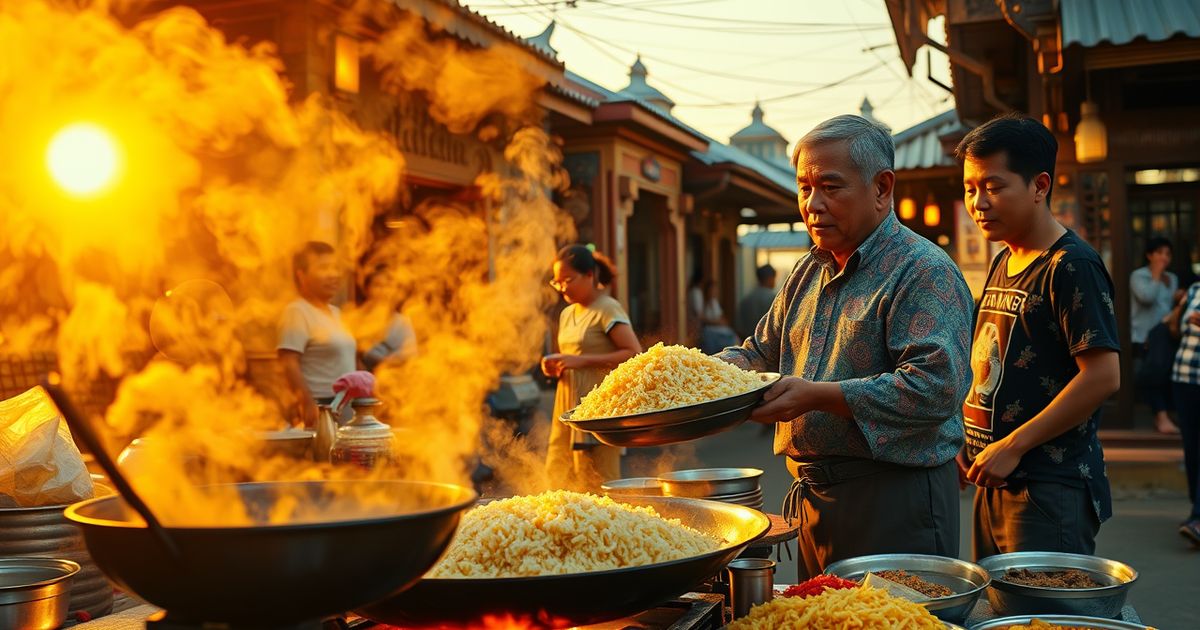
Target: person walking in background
[[1186, 381], [715, 333], [594, 336], [397, 342], [1044, 356], [756, 303], [314, 347], [1153, 292]]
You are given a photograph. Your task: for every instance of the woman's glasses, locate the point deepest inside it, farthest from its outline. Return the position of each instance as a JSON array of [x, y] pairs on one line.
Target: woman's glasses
[[561, 285]]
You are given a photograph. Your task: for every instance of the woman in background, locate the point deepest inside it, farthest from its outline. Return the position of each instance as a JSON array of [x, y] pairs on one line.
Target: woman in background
[[594, 336], [1153, 291]]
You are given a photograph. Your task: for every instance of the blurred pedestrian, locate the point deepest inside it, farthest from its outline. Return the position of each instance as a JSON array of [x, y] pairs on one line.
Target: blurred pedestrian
[[757, 302], [1153, 290], [398, 340], [1186, 378]]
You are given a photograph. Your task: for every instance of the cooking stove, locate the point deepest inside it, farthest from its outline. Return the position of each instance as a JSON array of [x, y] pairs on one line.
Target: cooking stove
[[691, 611]]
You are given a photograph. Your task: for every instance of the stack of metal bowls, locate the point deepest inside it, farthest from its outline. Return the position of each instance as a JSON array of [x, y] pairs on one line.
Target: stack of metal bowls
[[1010, 598], [966, 580], [739, 486]]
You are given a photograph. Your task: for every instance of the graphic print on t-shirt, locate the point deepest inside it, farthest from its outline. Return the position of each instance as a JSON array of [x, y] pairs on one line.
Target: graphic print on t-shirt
[[998, 313]]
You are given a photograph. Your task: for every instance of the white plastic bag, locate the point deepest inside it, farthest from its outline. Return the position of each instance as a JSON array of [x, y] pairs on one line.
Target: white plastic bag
[[39, 462]]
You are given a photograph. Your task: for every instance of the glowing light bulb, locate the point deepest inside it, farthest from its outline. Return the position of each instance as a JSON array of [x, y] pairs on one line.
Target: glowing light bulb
[[83, 158]]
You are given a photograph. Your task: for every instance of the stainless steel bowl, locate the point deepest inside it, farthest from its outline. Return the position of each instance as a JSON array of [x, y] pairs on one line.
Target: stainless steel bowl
[[967, 580], [1092, 623], [675, 415], [294, 443], [633, 486], [711, 482], [1105, 601], [35, 592], [659, 434]]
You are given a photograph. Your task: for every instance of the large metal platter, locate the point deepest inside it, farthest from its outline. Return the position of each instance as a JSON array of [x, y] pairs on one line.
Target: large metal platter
[[675, 415], [581, 598], [659, 435]]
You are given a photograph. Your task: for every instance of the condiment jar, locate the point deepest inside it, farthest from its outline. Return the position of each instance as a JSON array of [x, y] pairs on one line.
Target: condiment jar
[[364, 441]]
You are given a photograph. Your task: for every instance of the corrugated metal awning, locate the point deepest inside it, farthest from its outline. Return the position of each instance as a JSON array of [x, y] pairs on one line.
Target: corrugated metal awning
[[920, 146], [1092, 22], [782, 239]]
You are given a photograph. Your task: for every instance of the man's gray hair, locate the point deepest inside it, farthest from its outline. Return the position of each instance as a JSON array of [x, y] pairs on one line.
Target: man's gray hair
[[871, 146]]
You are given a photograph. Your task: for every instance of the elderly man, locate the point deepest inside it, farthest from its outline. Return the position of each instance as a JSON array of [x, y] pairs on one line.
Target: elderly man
[[871, 331]]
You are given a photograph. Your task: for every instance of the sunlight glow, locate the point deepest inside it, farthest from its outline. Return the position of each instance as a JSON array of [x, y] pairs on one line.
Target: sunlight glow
[[83, 158]]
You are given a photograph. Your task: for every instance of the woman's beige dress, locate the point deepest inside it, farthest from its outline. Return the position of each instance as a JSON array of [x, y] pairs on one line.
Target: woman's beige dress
[[575, 458]]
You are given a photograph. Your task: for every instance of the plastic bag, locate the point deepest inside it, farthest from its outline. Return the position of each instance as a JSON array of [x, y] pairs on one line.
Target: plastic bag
[[39, 462]]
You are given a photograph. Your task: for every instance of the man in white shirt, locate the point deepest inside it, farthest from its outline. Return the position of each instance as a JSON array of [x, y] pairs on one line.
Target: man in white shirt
[[314, 347]]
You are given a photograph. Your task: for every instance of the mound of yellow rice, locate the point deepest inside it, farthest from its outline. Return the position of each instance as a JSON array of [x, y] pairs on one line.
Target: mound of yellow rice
[[864, 608], [560, 532], [661, 378]]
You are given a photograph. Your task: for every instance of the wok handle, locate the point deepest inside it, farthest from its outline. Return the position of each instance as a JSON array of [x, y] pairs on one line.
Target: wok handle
[[83, 429]]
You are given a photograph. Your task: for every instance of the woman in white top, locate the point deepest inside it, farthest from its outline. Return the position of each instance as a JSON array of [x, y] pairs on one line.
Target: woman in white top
[[314, 347]]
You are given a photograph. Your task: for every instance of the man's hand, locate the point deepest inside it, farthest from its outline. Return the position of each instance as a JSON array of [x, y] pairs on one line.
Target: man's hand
[[994, 464], [308, 414], [788, 398]]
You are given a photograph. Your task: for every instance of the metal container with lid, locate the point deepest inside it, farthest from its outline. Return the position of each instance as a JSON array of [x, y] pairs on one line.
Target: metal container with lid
[[364, 441], [35, 592]]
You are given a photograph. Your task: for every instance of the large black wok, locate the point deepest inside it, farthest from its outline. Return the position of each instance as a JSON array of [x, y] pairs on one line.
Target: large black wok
[[279, 574], [581, 598]]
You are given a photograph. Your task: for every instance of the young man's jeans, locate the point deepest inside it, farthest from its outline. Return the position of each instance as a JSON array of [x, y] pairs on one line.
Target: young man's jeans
[[1034, 516]]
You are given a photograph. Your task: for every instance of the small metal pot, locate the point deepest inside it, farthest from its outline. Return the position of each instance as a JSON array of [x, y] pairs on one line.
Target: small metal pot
[[35, 592]]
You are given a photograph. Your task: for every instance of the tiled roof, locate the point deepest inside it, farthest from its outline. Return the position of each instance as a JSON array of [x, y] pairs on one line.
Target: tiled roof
[[1092, 22], [719, 153], [781, 239], [920, 146]]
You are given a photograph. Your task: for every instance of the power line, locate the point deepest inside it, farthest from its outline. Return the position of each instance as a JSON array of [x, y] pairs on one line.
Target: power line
[[784, 97], [727, 20]]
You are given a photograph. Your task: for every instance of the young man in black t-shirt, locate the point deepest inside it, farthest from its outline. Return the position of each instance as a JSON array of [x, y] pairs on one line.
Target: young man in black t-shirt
[[1044, 354]]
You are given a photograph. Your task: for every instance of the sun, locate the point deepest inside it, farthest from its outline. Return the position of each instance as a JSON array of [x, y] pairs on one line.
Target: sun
[[83, 158]]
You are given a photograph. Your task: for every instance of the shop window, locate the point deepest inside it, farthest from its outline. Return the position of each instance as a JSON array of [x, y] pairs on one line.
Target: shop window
[[1095, 213]]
